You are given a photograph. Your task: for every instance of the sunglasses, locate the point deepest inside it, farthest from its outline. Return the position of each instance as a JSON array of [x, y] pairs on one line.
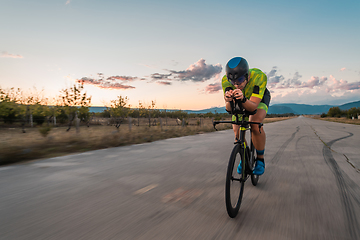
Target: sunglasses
[[239, 80]]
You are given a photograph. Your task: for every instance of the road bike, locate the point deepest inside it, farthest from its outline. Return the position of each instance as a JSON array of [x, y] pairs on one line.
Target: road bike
[[234, 187]]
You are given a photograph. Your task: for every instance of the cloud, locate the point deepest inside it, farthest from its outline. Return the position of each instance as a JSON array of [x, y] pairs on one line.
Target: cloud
[[114, 82], [213, 87], [313, 96], [8, 55], [272, 73], [67, 2], [197, 72], [317, 90], [313, 82], [343, 69], [341, 84], [279, 82], [159, 76], [163, 83], [314, 90], [273, 78], [122, 78]]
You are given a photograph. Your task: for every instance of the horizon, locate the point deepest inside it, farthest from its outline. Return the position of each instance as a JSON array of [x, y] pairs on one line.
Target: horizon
[[224, 106], [148, 51]]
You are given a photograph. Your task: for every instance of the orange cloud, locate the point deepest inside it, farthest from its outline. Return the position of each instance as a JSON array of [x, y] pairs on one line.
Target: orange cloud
[[9, 55], [213, 87], [198, 72], [113, 83]]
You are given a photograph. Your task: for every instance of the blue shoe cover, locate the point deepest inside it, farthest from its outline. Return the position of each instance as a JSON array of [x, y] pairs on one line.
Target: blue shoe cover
[[259, 168], [239, 168]]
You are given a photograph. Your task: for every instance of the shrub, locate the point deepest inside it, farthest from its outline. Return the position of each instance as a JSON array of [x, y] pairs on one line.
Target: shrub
[[45, 131]]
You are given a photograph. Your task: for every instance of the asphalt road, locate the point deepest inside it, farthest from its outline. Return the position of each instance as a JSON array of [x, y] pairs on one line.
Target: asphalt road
[[174, 189]]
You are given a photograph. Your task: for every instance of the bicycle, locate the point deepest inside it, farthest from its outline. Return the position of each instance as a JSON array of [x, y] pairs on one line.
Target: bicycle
[[240, 152]]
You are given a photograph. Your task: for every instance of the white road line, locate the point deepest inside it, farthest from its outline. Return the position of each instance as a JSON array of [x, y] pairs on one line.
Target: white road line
[[146, 189]]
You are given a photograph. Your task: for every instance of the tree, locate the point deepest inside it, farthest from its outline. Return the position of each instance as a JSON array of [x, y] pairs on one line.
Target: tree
[[334, 112], [142, 112], [119, 110], [9, 108], [75, 102], [353, 112], [16, 104], [150, 111], [33, 103]]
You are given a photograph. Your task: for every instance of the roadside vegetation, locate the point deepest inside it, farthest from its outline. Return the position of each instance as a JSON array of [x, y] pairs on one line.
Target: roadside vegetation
[[33, 127], [335, 114]]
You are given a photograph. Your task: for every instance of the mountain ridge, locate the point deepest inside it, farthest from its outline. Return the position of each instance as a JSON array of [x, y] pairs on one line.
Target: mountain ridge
[[280, 108]]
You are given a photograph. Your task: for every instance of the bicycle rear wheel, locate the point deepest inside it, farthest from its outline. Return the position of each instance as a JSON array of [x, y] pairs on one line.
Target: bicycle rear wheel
[[254, 178], [234, 187]]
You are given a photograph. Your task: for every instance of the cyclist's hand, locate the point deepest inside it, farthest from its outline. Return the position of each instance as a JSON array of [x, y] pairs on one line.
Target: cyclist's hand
[[228, 96], [238, 94]]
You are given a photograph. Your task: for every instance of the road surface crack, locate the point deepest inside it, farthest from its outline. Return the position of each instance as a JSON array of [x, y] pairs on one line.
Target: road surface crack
[[343, 185]]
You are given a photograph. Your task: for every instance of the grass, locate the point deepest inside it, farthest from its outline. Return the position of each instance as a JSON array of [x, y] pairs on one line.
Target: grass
[[42, 142], [339, 120]]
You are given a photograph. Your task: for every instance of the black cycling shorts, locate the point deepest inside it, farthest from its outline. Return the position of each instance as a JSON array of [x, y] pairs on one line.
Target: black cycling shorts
[[266, 98]]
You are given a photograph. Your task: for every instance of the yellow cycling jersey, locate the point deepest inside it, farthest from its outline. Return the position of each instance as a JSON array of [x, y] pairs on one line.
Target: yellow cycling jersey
[[254, 88]]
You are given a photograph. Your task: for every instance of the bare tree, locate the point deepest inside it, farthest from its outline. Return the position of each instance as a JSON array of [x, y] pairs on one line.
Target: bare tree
[[150, 110], [76, 102], [33, 105], [9, 107], [119, 110]]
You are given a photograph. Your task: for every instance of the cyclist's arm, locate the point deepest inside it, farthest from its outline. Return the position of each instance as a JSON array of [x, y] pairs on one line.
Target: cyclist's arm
[[258, 92], [228, 92], [252, 103], [228, 107]]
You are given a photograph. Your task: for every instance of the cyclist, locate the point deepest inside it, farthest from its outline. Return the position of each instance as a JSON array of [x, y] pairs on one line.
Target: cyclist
[[249, 87]]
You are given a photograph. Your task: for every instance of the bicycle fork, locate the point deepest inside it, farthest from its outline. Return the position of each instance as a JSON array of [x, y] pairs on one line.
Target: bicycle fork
[[242, 141]]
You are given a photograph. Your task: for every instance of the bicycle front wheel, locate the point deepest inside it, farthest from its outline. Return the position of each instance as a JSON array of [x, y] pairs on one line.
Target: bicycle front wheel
[[254, 178], [234, 187]]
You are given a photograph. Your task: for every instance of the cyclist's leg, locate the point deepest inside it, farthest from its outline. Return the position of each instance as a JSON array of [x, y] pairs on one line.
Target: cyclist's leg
[[258, 138], [236, 131], [235, 128]]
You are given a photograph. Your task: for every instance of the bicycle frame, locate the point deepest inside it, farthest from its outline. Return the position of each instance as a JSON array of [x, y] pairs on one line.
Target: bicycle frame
[[247, 160], [238, 112]]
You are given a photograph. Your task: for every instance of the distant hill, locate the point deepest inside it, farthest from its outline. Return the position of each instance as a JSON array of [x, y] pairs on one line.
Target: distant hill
[[97, 109], [307, 109], [213, 110], [298, 108], [289, 108], [350, 105], [273, 109], [279, 109]]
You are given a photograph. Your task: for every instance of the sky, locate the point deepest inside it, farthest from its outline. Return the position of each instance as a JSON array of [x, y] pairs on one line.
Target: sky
[[175, 52]]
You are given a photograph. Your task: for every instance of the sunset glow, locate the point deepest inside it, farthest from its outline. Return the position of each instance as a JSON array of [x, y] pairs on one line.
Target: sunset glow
[[148, 51]]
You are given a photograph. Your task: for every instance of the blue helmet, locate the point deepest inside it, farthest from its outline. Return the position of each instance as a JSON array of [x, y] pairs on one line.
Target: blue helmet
[[237, 70]]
